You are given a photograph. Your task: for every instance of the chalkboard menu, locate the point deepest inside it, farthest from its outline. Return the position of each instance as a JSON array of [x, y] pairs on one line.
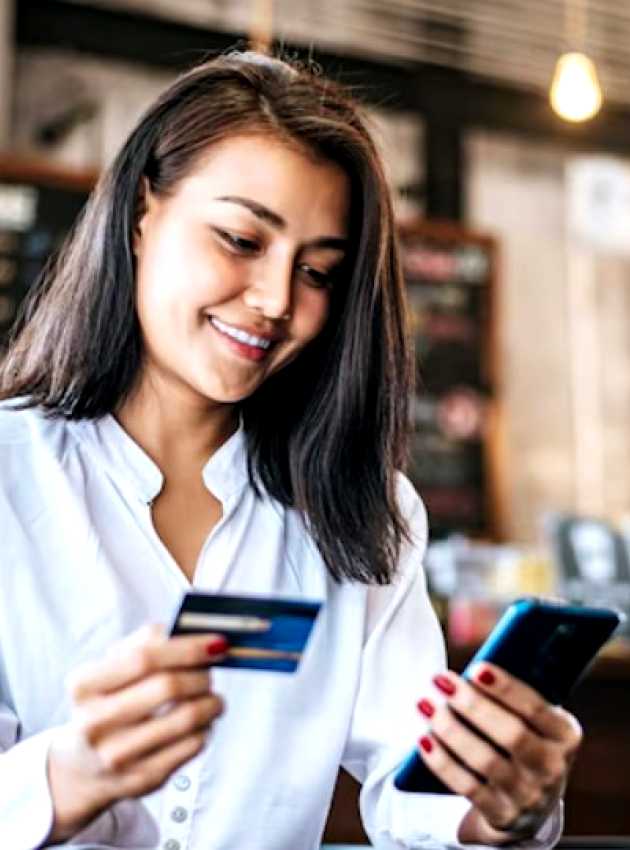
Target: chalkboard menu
[[449, 276], [38, 205]]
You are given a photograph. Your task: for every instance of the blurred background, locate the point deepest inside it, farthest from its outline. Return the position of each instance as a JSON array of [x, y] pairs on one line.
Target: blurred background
[[505, 128]]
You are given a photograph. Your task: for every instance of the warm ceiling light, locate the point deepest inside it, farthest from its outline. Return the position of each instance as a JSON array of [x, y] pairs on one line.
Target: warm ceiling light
[[575, 91]]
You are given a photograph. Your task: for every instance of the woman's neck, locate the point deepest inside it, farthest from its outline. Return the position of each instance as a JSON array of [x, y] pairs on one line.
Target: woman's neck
[[175, 430]]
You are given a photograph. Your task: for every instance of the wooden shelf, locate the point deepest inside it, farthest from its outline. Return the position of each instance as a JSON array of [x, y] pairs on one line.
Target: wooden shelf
[[45, 173]]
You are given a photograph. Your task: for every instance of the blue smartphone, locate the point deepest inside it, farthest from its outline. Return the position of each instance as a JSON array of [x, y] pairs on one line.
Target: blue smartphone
[[546, 644]]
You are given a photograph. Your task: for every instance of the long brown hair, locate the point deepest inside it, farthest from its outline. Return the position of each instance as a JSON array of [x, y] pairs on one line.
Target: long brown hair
[[326, 434]]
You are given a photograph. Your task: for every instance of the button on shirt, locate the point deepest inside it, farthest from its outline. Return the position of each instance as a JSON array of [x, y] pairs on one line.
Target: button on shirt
[[81, 566]]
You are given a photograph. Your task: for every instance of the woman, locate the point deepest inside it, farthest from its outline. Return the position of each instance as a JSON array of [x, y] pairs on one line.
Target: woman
[[210, 388]]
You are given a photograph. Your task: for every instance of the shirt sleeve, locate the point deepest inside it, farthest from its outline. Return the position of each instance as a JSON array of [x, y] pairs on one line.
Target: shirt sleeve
[[26, 807], [404, 648], [26, 811]]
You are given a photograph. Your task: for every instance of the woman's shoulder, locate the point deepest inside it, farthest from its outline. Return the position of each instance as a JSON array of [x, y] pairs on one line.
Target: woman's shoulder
[[410, 504], [415, 541], [22, 427], [16, 421]]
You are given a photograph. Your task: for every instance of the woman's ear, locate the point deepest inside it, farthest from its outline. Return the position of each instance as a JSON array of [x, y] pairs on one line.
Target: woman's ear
[[140, 212]]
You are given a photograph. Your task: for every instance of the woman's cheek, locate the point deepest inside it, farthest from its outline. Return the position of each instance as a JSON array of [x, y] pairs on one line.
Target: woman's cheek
[[312, 311]]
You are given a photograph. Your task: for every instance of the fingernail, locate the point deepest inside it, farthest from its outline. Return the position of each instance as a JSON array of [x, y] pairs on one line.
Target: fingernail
[[486, 677], [217, 646], [426, 708], [426, 743], [444, 684]]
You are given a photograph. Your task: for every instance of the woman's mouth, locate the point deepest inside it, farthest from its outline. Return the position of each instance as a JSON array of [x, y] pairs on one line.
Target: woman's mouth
[[242, 342]]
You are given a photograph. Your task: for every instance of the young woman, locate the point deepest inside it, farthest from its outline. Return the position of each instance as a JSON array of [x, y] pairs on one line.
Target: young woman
[[210, 388]]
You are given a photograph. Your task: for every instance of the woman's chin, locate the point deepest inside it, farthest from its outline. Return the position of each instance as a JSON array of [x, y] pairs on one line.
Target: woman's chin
[[228, 395]]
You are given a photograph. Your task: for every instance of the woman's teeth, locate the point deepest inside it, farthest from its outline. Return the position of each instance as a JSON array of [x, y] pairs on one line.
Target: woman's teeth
[[239, 335]]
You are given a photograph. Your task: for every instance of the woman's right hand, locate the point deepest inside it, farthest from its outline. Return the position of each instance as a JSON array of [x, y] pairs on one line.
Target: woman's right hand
[[137, 716]]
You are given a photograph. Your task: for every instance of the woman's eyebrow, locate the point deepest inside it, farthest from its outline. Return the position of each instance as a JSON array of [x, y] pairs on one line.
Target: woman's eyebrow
[[260, 211], [265, 214]]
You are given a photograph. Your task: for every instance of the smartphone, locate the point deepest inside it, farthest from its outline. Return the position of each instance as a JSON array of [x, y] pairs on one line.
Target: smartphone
[[548, 645]]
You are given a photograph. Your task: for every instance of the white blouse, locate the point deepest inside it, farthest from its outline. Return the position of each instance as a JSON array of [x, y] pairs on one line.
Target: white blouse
[[81, 565]]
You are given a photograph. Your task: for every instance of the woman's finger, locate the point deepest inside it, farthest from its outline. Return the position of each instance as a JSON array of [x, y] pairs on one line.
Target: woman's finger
[[503, 728], [99, 716], [129, 744], [151, 772], [550, 721], [141, 654], [495, 767], [496, 806]]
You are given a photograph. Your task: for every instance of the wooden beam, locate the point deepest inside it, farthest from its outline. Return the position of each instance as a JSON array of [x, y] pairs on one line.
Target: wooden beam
[[164, 43], [463, 100], [451, 97]]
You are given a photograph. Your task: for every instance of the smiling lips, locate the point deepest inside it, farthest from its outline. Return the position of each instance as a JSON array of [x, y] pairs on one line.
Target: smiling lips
[[251, 346]]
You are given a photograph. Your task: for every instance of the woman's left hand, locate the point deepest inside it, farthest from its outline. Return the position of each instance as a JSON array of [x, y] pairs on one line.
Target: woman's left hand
[[513, 785]]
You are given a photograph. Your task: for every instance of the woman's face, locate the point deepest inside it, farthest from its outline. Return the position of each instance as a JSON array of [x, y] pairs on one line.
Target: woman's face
[[234, 267]]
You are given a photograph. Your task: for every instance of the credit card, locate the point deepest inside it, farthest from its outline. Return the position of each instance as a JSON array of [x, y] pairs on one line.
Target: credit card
[[265, 633]]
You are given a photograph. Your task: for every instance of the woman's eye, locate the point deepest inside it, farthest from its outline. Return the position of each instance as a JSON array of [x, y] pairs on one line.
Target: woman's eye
[[237, 243], [321, 280]]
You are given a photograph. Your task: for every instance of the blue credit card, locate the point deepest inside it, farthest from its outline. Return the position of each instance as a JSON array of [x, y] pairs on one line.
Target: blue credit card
[[264, 633]]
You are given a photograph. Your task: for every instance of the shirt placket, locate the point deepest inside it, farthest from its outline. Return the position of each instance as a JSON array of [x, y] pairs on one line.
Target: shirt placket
[[216, 555], [180, 794]]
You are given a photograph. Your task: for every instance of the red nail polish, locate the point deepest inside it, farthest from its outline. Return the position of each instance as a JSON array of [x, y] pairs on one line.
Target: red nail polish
[[426, 743], [426, 708], [486, 677], [217, 646], [444, 684]]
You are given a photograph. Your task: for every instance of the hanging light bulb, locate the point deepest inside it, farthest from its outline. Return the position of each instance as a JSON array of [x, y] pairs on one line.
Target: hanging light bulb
[[575, 91]]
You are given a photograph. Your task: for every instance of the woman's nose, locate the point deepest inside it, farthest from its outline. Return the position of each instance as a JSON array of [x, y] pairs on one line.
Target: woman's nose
[[271, 291]]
